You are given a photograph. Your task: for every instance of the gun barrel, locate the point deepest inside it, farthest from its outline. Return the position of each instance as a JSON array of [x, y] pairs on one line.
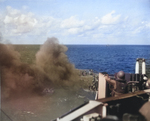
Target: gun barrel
[[143, 67], [137, 67]]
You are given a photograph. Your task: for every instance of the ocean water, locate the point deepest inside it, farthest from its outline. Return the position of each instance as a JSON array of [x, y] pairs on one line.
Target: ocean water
[[110, 59]]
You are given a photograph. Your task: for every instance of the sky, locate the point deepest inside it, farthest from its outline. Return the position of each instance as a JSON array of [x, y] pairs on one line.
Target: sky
[[75, 21]]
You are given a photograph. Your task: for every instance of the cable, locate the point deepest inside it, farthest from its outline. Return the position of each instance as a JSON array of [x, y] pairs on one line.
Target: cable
[[6, 115]]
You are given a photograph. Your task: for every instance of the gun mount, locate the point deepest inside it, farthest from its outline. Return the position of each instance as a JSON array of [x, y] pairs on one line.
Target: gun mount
[[132, 91]]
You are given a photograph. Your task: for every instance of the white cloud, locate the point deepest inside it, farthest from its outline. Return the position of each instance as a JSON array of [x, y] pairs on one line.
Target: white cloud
[[73, 26], [98, 25], [148, 25], [72, 22], [74, 30], [8, 19], [12, 12], [21, 23], [110, 18], [136, 30]]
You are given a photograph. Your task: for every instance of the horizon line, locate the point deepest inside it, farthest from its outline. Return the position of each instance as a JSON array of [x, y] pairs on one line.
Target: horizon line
[[87, 44]]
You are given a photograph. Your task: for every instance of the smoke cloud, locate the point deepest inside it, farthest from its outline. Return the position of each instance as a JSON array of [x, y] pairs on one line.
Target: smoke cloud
[[17, 78], [53, 60], [52, 69]]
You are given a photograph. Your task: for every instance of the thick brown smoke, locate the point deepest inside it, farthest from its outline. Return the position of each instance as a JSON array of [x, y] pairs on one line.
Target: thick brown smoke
[[52, 68], [8, 57], [17, 78], [53, 60]]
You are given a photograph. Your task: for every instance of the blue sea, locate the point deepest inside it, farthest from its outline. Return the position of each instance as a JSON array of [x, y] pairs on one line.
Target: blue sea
[[108, 58]]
